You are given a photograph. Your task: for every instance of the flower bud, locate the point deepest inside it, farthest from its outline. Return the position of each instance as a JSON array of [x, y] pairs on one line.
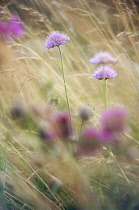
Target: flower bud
[[61, 125], [17, 111], [84, 113], [46, 136]]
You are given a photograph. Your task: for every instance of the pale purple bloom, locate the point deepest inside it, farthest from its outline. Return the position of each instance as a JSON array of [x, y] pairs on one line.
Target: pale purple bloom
[[113, 120], [12, 28], [89, 142], [102, 57], [56, 38], [104, 72]]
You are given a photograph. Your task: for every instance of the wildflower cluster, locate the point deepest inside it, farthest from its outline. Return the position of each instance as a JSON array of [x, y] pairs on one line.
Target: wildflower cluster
[[91, 140], [103, 72], [112, 124]]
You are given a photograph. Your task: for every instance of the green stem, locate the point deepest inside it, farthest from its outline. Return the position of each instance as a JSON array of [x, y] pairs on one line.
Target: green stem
[[105, 88], [4, 173], [81, 128], [105, 93], [63, 74]]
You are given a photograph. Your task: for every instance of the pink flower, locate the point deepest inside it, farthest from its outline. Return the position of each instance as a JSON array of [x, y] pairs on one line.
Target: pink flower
[[12, 28], [90, 142], [15, 26], [108, 136], [61, 125], [102, 57], [113, 120], [56, 38]]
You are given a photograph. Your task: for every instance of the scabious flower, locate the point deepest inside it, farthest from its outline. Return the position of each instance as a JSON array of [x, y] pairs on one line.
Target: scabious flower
[[56, 38], [12, 28], [104, 72], [89, 142], [113, 121], [61, 125], [15, 26], [102, 57]]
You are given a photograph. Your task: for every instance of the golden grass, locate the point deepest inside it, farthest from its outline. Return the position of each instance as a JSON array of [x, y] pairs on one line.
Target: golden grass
[[32, 75]]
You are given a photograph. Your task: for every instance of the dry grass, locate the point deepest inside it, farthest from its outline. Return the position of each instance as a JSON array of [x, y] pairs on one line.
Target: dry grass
[[32, 75]]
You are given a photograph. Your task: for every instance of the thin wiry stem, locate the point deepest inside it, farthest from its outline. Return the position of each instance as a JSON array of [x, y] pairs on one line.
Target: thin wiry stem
[[105, 93], [105, 88], [63, 74], [81, 128]]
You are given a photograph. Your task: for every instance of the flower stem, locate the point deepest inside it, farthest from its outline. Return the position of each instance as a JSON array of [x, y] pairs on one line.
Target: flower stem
[[105, 93], [81, 128], [105, 88], [63, 74]]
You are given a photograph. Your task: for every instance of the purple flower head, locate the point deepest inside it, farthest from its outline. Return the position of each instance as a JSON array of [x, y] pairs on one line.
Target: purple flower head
[[12, 28], [108, 136], [15, 26], [56, 38], [104, 72], [102, 57], [90, 142], [113, 120], [61, 125]]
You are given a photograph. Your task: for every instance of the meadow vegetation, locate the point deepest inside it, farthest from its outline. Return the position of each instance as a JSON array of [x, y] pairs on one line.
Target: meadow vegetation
[[41, 165]]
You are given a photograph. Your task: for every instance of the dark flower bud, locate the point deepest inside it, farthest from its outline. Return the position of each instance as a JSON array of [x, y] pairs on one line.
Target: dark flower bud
[[84, 113], [61, 125], [45, 135], [17, 111]]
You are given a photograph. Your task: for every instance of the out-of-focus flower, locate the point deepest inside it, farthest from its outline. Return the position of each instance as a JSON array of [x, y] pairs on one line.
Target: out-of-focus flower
[[17, 111], [61, 125], [15, 26], [108, 136], [4, 31], [46, 136], [56, 38], [55, 184], [12, 28], [84, 113], [102, 57], [104, 72], [89, 142], [114, 120]]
